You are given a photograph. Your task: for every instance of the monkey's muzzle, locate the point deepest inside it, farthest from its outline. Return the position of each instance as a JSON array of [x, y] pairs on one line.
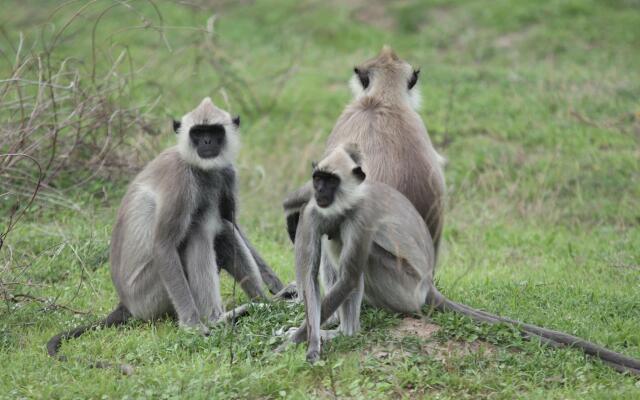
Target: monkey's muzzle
[[208, 152], [324, 200]]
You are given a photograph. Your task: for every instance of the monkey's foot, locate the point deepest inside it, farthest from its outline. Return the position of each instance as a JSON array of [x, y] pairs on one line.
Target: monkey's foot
[[289, 292], [313, 356], [198, 328], [288, 336], [333, 320], [215, 317], [329, 334], [232, 315]]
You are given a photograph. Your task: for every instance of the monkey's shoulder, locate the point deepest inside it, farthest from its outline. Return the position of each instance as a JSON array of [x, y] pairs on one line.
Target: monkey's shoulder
[[375, 126], [385, 200]]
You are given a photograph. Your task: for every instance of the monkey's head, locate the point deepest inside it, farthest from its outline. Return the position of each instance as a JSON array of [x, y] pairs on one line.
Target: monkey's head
[[388, 76], [208, 136], [337, 180]]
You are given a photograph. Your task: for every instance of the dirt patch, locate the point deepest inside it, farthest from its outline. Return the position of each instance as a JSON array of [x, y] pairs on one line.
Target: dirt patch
[[512, 39], [452, 348], [375, 13], [424, 330], [415, 327]]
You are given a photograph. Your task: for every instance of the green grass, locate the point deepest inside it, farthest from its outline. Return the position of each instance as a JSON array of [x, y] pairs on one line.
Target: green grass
[[536, 105]]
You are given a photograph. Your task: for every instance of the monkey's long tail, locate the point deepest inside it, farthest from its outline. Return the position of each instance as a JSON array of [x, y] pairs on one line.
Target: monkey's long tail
[[117, 317], [617, 361]]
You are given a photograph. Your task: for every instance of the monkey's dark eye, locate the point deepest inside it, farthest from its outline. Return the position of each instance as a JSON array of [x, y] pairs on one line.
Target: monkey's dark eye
[[414, 78], [363, 77], [323, 178]]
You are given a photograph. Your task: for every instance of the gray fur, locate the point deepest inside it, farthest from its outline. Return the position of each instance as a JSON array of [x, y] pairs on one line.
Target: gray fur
[[392, 139], [175, 227], [163, 259], [383, 254]]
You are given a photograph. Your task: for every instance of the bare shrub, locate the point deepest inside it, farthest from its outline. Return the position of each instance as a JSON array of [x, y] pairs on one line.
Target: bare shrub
[[65, 120]]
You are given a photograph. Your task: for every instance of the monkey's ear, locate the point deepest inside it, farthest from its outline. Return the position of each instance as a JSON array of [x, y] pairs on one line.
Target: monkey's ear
[[414, 78], [359, 173], [236, 121], [363, 77], [176, 125], [314, 165]]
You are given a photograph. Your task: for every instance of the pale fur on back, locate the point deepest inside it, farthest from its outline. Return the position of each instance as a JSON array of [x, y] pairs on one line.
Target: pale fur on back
[[393, 139]]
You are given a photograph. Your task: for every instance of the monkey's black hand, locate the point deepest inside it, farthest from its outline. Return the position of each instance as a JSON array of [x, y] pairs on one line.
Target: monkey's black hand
[[289, 292], [313, 356]]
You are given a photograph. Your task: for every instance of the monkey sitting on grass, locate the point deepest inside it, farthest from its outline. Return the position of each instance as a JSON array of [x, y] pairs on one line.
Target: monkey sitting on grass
[[176, 226], [384, 254]]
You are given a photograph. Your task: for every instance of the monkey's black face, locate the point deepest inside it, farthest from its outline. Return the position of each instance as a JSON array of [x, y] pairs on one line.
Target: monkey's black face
[[208, 140], [325, 185]]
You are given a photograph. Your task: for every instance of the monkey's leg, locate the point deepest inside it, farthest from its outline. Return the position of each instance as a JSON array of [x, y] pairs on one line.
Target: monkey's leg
[[313, 314], [332, 300], [203, 277], [268, 276], [349, 310], [349, 313], [389, 285], [328, 276], [235, 256], [167, 262], [434, 218]]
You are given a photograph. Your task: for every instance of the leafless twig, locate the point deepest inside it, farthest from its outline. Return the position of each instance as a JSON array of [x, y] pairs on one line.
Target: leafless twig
[[48, 302]]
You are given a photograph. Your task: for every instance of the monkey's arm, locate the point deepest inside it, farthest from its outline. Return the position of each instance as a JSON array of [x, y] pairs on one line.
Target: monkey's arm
[[234, 255], [228, 212], [352, 261], [308, 256], [227, 205], [268, 276], [293, 206], [170, 230]]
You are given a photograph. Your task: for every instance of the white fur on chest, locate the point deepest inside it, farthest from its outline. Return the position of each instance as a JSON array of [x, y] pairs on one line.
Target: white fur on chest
[[334, 248], [211, 223]]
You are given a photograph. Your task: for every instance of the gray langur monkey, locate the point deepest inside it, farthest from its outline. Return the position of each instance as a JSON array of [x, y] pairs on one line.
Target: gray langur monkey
[[384, 254], [382, 120], [176, 226]]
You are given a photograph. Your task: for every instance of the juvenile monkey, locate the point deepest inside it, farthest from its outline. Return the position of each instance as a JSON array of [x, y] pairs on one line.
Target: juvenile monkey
[[176, 226], [385, 254], [383, 122]]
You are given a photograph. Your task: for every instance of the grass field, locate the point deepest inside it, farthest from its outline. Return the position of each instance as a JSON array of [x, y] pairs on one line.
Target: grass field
[[536, 105]]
